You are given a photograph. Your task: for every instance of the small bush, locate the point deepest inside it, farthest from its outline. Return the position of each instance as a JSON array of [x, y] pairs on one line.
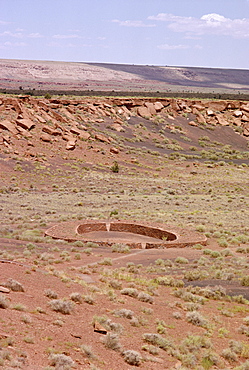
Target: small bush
[[111, 341], [76, 297], [120, 248], [181, 260], [132, 357], [131, 292], [128, 314], [64, 307], [144, 297], [89, 299], [51, 294], [88, 352], [14, 285], [4, 303], [229, 355], [197, 319], [115, 284], [115, 167], [61, 361]]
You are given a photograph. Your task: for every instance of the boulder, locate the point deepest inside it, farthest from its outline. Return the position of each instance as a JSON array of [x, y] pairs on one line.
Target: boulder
[[245, 107], [25, 123], [193, 123], [117, 127], [50, 130], [46, 137], [114, 150], [210, 112], [84, 135], [246, 130], [143, 112], [40, 119], [151, 108], [218, 106], [245, 118], [4, 290], [71, 144], [158, 106], [221, 120], [9, 126], [238, 113], [102, 138]]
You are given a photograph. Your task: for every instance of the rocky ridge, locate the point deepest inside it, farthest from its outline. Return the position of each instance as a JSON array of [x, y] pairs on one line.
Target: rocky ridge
[[70, 121]]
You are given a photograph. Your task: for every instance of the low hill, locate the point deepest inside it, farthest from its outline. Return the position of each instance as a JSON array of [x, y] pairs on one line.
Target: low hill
[[65, 76]]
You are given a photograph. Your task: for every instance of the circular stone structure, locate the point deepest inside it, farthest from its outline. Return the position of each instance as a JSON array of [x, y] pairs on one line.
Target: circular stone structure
[[133, 234]]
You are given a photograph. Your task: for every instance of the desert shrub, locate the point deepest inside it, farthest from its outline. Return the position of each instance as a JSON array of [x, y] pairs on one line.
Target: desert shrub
[[115, 284], [19, 307], [111, 341], [197, 319], [181, 260], [147, 311], [135, 322], [246, 320], [106, 261], [62, 306], [169, 281], [120, 248], [243, 329], [4, 303], [26, 319], [51, 294], [144, 297], [151, 349], [115, 167], [132, 357], [61, 361], [131, 292], [88, 352], [177, 315], [128, 314], [14, 285], [229, 355], [236, 346], [89, 299], [76, 297], [114, 326], [78, 243], [159, 341], [245, 281], [193, 343]]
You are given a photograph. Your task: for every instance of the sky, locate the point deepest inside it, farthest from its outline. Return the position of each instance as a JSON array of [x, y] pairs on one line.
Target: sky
[[197, 33]]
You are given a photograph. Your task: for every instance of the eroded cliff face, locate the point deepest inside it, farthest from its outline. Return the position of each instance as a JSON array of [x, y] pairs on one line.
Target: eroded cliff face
[[69, 121]]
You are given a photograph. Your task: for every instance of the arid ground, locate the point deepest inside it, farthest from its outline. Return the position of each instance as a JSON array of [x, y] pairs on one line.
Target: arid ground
[[81, 305]]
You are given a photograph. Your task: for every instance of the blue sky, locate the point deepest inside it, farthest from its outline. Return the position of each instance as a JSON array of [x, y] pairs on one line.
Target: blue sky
[[205, 33]]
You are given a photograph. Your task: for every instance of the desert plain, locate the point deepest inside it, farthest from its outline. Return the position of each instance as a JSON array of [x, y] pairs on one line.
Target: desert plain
[[71, 303]]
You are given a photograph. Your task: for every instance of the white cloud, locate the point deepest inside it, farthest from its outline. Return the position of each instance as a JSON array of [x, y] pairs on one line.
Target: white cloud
[[172, 47], [12, 34], [212, 23], [35, 35], [11, 44], [73, 36], [129, 23]]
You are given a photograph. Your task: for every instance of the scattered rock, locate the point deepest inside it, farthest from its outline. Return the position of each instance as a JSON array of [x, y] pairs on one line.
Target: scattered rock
[[114, 150], [46, 138], [4, 290], [25, 123], [98, 328], [143, 112], [102, 138], [71, 144], [7, 125]]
